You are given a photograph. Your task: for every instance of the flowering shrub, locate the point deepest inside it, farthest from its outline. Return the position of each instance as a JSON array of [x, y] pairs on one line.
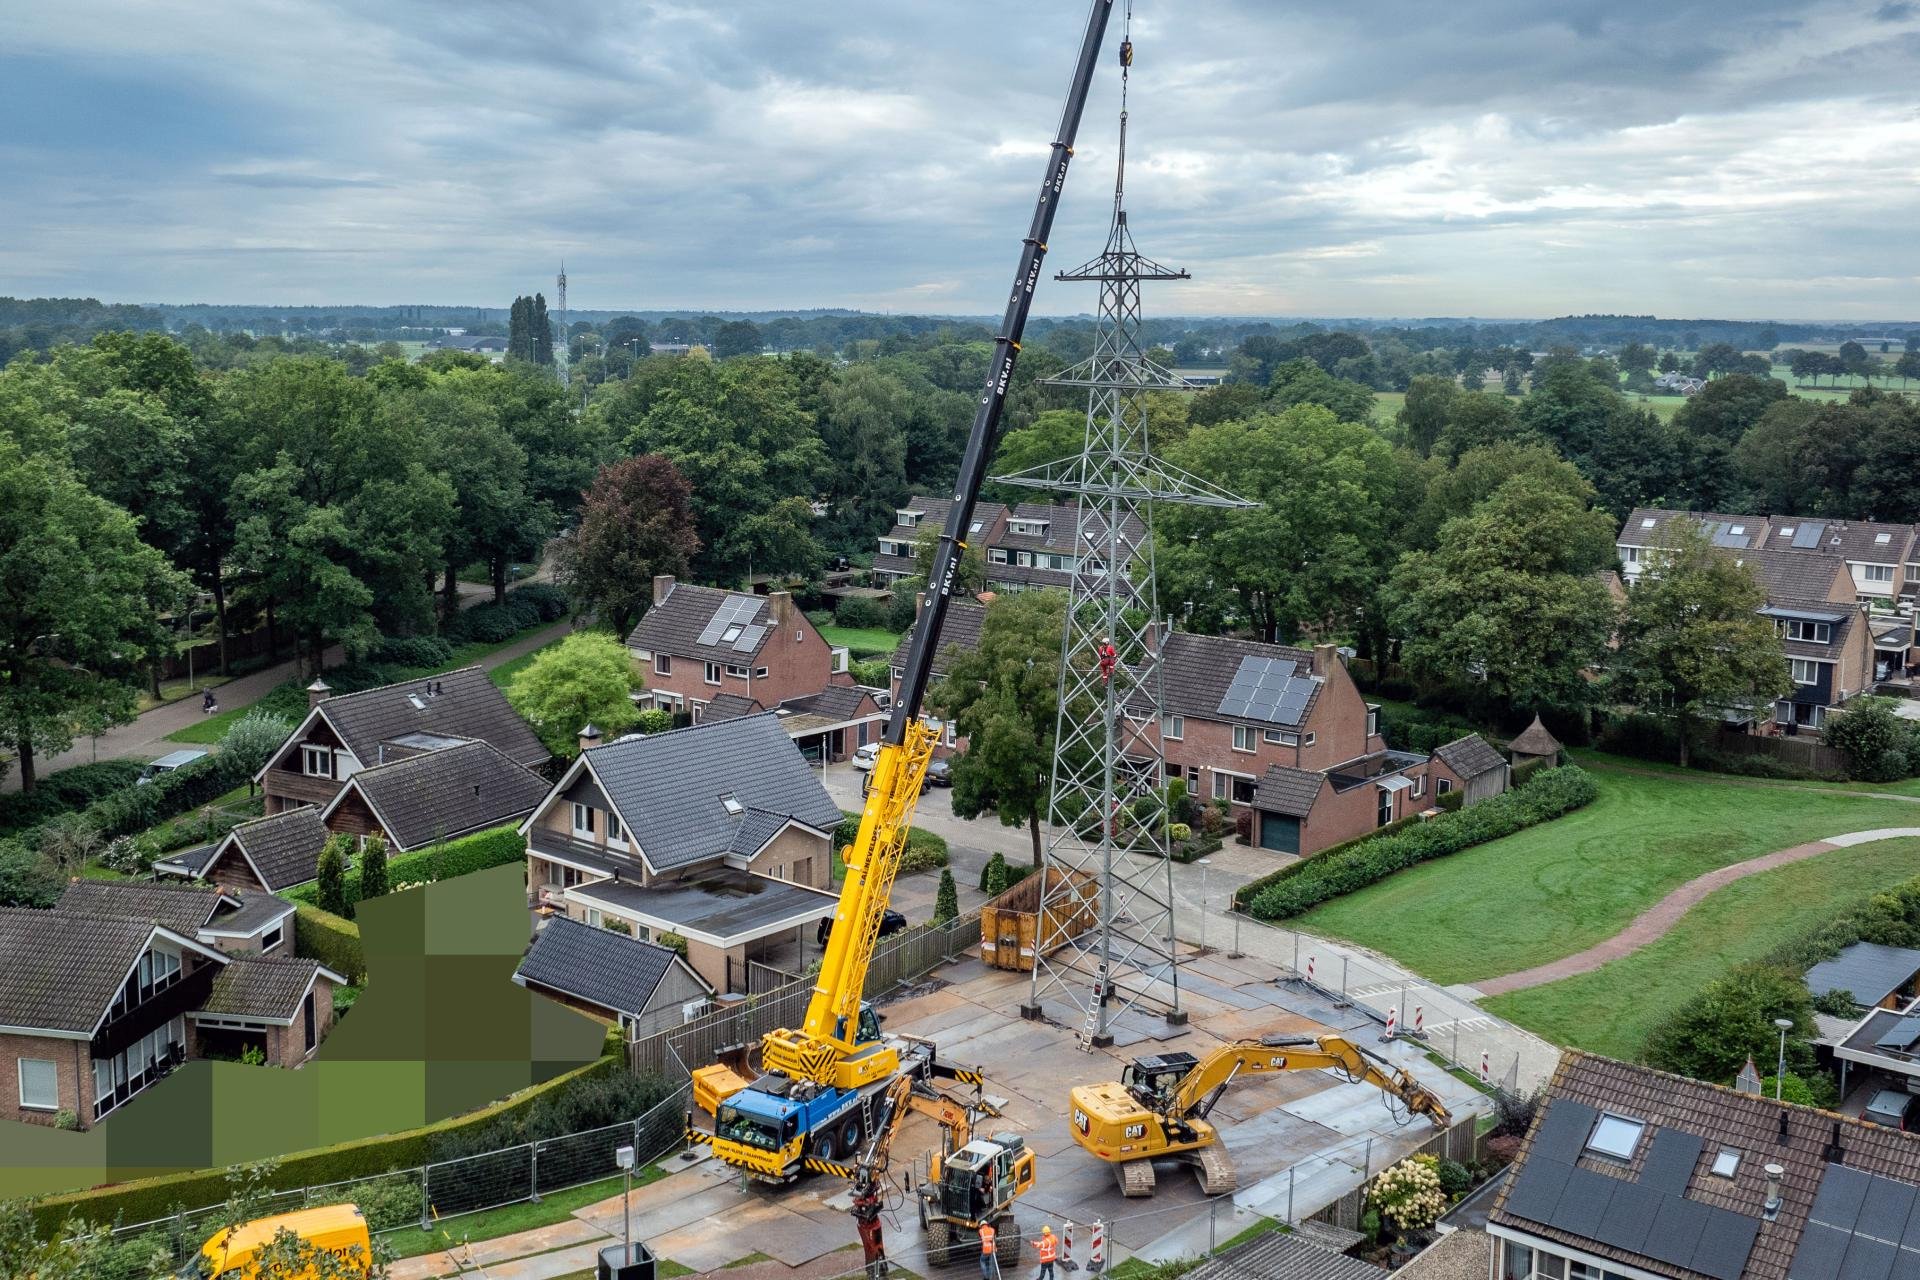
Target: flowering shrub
[[1408, 1194]]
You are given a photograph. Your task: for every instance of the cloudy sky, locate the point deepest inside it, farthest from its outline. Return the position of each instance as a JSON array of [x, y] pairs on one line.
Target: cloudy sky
[[1752, 158]]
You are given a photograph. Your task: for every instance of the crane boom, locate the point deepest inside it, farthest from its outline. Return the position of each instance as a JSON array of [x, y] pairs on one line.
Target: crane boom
[[837, 1048]]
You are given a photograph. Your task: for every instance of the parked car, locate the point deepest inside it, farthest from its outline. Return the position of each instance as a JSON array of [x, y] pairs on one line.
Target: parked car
[[863, 759], [337, 1228], [891, 922], [940, 772], [1889, 1108], [168, 763]]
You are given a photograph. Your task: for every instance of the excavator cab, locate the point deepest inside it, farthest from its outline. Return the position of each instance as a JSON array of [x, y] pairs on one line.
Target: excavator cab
[[981, 1179], [1153, 1081]]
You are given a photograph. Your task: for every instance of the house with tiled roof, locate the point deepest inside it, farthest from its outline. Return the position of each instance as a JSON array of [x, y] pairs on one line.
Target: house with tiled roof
[[441, 795], [251, 922], [341, 735], [720, 833], [705, 652], [925, 517], [264, 855], [1027, 545], [1631, 1172], [104, 994], [640, 987]]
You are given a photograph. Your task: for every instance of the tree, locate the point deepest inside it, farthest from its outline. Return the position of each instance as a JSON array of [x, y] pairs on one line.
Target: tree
[[1669, 362], [1304, 382], [946, 901], [494, 519], [1055, 434], [737, 338], [1693, 644], [1712, 1035], [1228, 402], [373, 868], [778, 540], [1001, 694], [1907, 367], [1636, 357], [970, 576], [26, 878], [72, 1251], [1511, 599], [993, 877], [1424, 415], [1879, 745], [520, 330], [585, 679], [1853, 357], [862, 427], [330, 876], [1727, 408], [1476, 420], [636, 522], [541, 330], [1510, 380], [82, 599]]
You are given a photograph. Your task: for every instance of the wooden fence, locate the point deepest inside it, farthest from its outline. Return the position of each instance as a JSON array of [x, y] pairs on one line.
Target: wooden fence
[[900, 959], [1802, 752]]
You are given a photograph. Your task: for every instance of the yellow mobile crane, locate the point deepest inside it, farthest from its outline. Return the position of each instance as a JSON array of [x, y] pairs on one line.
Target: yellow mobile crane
[[809, 1103], [1159, 1107]]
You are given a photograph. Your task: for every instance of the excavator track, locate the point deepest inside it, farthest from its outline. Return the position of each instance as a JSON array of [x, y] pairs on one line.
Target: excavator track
[[1214, 1167], [1135, 1178]]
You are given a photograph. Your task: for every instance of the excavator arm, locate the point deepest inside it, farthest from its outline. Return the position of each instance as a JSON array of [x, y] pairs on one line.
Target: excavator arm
[[1204, 1084]]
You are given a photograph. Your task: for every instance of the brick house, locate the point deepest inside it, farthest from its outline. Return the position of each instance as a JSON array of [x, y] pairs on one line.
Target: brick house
[[1027, 545], [342, 735], [640, 987], [704, 652], [252, 922], [1630, 1172], [960, 629], [441, 795], [265, 855], [97, 1007], [719, 833]]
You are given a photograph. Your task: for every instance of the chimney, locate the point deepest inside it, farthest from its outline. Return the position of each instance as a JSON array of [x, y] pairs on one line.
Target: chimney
[[1325, 658], [780, 607], [318, 692], [662, 584], [589, 736], [919, 604], [1772, 1207], [439, 688]]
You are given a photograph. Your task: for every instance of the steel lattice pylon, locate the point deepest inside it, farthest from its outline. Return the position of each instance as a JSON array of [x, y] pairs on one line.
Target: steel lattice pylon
[[1107, 750]]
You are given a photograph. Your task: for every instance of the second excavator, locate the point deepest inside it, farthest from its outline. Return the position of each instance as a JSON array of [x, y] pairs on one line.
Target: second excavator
[[1159, 1107]]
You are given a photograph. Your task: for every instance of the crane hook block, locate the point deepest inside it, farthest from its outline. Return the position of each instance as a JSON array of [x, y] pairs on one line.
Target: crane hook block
[[1126, 53]]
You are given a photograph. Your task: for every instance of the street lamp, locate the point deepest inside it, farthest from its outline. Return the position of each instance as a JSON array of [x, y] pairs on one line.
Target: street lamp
[[1780, 1072], [623, 1156]]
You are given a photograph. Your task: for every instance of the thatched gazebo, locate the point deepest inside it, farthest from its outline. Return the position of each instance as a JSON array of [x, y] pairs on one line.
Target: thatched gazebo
[[1535, 743]]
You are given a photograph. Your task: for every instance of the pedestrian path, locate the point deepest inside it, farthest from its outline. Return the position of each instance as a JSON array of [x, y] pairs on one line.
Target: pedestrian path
[[1654, 923]]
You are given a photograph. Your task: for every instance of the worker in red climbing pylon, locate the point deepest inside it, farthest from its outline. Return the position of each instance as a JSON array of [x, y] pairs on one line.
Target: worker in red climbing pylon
[[1108, 660]]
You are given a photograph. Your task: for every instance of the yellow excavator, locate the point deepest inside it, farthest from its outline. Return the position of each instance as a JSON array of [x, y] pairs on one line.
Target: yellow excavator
[[1159, 1107], [810, 1104]]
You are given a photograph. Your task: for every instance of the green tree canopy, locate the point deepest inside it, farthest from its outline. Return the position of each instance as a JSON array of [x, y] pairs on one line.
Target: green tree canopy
[[585, 679], [636, 522]]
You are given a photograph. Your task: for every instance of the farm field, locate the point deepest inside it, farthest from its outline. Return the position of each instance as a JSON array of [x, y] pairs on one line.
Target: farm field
[[1612, 1009], [1558, 889]]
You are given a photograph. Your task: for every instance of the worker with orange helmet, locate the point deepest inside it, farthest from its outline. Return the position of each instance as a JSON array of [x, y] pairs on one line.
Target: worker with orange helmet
[[1048, 1248]]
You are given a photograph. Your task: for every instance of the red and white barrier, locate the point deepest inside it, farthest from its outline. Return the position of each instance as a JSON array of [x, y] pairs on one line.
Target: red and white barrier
[[1486, 1070], [1419, 1021], [1309, 968], [1066, 1248], [1393, 1023], [1097, 1251]]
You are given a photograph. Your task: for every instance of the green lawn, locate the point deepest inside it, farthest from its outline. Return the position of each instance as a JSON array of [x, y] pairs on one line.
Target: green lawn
[[1612, 1009], [862, 641], [1601, 760], [1387, 405], [491, 1224], [1561, 887]]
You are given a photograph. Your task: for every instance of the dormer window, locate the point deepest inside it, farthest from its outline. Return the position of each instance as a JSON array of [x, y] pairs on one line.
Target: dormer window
[[1615, 1136], [1785, 531], [732, 805]]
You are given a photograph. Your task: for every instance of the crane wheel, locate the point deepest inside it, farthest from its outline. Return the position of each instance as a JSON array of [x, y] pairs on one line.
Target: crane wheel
[[1215, 1170], [1007, 1243], [1135, 1178], [939, 1243]]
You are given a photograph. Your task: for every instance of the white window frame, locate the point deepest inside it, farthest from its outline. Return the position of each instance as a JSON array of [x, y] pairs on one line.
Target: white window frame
[[1876, 573], [760, 673], [1245, 739], [309, 753], [20, 1073], [579, 811], [738, 673], [663, 664], [616, 831], [1419, 785], [273, 937], [711, 673], [1173, 728], [996, 555], [1280, 737], [1442, 785], [1795, 665], [1373, 721], [1806, 632]]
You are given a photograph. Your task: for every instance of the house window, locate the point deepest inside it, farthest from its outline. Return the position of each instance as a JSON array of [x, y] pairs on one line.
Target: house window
[[1386, 806], [997, 555], [738, 673], [1243, 738], [271, 938], [310, 1021], [317, 762], [1281, 737], [760, 673], [1243, 790], [713, 673], [1373, 720], [732, 805], [1876, 573], [1442, 785], [1805, 670], [39, 1085], [696, 711], [593, 917], [1219, 785], [1173, 728], [951, 738], [616, 834], [663, 664], [1811, 632], [1615, 1136], [1308, 740], [1419, 786], [731, 634], [1024, 559], [1727, 1163], [582, 819]]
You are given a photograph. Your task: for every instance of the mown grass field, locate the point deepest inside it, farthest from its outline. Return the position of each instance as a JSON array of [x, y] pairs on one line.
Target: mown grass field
[[862, 641], [1612, 1009], [1560, 888]]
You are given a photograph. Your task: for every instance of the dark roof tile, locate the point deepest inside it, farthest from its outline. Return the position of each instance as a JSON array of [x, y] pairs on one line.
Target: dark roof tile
[[284, 847], [266, 987], [444, 794], [59, 970], [596, 965], [468, 705], [960, 628], [1470, 756], [185, 909], [1288, 791]]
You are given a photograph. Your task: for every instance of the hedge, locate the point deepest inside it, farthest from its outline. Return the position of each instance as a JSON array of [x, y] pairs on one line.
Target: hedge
[[494, 847], [1243, 896], [149, 1198], [66, 790], [335, 943], [925, 850], [134, 809], [1312, 881]]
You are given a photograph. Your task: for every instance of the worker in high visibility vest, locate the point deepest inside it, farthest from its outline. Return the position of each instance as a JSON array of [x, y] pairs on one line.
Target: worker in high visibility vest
[[989, 1268], [1048, 1248]]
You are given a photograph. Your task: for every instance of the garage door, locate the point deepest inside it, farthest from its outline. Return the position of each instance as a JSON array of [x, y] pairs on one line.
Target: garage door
[[1279, 833]]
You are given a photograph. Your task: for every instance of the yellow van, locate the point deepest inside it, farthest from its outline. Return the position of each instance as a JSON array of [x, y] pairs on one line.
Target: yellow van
[[337, 1228]]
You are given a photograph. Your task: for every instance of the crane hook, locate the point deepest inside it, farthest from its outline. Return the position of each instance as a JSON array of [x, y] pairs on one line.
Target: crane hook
[[1126, 53]]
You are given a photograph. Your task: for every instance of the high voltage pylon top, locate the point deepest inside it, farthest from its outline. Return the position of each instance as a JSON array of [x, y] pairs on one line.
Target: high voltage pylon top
[[1106, 943]]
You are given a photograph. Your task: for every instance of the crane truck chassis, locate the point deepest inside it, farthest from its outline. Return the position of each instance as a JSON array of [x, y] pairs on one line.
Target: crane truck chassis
[[1159, 1107]]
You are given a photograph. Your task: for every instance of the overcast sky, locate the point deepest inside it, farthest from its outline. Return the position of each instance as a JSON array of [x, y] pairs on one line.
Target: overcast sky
[[1740, 158]]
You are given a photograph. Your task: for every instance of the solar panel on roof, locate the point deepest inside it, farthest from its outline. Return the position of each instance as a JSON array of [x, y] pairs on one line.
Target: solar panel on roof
[[1269, 689], [1629, 1217], [1677, 1229], [1821, 1251], [1808, 534], [1885, 1211], [1670, 1162], [1725, 1244], [750, 639], [1842, 1192], [1867, 1259], [1901, 1035], [1537, 1193], [1584, 1202], [1563, 1132]]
